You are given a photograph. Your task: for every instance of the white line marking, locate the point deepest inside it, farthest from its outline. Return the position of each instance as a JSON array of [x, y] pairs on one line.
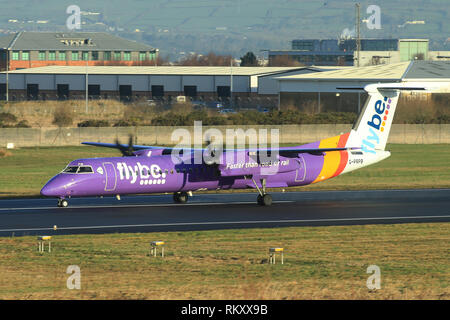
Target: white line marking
[[138, 205], [225, 222]]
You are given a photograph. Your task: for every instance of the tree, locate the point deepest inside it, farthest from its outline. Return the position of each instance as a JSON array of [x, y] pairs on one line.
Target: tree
[[211, 59], [63, 116], [249, 60], [283, 61]]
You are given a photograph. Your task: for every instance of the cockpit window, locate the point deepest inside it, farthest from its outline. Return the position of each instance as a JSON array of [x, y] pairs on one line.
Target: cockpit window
[[85, 169], [70, 169], [78, 169]]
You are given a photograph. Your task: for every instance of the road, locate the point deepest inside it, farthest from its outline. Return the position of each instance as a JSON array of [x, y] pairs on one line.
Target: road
[[153, 213]]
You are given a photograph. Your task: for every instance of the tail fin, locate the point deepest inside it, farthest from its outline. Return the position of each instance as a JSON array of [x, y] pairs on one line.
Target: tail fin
[[371, 130]]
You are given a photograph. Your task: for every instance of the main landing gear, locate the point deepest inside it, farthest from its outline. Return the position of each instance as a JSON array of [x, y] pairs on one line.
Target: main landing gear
[[180, 197], [263, 199], [62, 203]]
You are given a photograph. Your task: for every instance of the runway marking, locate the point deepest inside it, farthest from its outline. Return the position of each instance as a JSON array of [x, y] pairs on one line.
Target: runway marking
[[224, 223], [139, 205]]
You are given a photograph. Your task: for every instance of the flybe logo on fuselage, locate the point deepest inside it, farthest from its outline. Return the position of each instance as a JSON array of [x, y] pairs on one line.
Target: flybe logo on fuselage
[[376, 124], [143, 173]]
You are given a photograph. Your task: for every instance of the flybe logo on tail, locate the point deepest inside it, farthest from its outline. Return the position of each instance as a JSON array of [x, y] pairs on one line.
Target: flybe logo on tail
[[376, 124]]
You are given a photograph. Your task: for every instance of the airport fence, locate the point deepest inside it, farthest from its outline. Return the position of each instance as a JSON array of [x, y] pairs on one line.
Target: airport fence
[[161, 135]]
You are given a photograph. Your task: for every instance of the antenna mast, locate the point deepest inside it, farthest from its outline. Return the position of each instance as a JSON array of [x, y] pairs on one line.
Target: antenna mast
[[358, 32]]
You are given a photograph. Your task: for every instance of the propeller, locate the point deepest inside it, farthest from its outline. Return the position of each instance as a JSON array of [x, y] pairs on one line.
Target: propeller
[[212, 151], [126, 150]]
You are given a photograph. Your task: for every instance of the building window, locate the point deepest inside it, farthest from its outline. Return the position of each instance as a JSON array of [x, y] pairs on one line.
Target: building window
[[117, 55], [94, 55], [107, 55], [142, 56], [62, 56], [85, 56], [41, 55], [304, 45], [51, 55], [152, 56], [15, 55], [25, 55], [75, 56], [127, 56]]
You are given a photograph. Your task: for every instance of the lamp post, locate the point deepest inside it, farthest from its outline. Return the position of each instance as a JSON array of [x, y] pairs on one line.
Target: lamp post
[[231, 83], [87, 81], [358, 33], [7, 75]]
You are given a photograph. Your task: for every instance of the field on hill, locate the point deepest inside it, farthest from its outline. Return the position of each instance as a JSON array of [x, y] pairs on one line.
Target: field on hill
[[25, 171], [231, 26], [319, 263]]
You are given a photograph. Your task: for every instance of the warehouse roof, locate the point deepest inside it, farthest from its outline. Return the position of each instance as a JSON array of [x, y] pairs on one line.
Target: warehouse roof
[[393, 71], [429, 69], [152, 70], [69, 41]]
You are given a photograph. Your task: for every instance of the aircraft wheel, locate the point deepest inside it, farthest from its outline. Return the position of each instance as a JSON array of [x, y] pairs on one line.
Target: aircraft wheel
[[259, 200], [181, 197], [265, 200], [62, 203]]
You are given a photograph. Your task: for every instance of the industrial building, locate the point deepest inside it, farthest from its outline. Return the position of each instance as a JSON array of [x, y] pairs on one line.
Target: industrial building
[[130, 83], [313, 89], [38, 49], [320, 91], [343, 52]]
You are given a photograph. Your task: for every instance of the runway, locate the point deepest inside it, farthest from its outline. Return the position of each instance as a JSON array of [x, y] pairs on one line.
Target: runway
[[154, 213]]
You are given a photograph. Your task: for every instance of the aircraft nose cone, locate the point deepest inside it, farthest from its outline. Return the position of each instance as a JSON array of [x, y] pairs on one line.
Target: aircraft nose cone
[[51, 189], [46, 191]]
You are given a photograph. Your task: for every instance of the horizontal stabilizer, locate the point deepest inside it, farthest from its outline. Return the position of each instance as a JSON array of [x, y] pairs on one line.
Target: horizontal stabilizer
[[385, 86]]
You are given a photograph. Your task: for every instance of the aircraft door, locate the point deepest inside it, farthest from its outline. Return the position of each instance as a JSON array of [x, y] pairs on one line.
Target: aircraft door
[[110, 176], [300, 174]]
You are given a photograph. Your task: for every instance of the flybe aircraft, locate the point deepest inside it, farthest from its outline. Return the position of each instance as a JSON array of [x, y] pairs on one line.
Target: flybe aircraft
[[154, 169]]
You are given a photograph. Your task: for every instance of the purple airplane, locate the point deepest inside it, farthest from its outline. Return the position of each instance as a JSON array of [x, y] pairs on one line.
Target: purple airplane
[[151, 169]]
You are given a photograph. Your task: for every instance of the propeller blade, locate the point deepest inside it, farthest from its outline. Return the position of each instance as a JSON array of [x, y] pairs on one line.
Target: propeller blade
[[127, 151], [130, 148]]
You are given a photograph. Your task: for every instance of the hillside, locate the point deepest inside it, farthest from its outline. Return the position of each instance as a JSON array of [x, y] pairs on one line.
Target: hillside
[[231, 26]]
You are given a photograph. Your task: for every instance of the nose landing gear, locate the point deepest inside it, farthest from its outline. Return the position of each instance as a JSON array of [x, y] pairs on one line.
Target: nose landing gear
[[62, 203], [180, 197]]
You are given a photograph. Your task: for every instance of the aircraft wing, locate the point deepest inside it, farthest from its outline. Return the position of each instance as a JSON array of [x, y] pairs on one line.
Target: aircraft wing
[[282, 151], [115, 146]]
